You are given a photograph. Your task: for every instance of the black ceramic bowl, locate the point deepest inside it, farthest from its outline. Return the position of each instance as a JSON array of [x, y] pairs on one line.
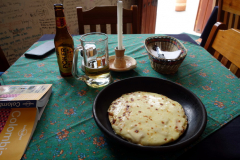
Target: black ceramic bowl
[[194, 109]]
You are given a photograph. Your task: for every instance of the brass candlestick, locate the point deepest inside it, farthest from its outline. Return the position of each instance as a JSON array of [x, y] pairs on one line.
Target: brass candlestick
[[119, 61]]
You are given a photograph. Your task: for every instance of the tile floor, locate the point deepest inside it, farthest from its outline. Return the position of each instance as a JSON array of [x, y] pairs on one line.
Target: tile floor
[[173, 22]]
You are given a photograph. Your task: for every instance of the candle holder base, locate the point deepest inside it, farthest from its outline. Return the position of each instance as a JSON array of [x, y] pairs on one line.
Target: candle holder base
[[120, 62]]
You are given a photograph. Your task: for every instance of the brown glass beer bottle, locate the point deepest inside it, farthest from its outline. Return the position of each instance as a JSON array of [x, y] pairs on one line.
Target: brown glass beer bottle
[[63, 43]]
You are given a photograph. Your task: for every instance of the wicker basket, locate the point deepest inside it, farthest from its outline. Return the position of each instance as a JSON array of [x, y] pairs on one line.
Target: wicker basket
[[166, 43]]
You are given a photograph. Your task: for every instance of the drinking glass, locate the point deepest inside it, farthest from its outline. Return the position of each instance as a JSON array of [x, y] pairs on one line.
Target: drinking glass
[[94, 59]]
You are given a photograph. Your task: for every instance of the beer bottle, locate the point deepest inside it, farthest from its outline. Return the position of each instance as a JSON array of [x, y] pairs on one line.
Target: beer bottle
[[63, 43]]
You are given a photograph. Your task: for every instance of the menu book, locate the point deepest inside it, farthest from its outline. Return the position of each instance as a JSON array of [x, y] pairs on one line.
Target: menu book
[[21, 106]]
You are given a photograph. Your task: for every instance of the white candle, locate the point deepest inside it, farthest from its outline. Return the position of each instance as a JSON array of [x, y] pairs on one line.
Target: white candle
[[119, 21]]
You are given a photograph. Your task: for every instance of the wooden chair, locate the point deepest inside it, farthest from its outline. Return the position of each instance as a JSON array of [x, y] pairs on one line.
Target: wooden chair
[[4, 65], [229, 13], [102, 15], [224, 45]]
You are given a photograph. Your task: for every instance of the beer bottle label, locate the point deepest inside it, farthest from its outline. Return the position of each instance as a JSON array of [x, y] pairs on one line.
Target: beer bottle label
[[60, 22], [65, 58]]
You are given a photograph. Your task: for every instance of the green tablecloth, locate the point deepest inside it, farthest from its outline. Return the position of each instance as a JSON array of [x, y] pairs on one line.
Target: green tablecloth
[[67, 128]]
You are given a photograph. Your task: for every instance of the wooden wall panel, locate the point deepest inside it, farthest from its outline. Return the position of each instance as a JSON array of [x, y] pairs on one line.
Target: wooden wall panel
[[204, 11], [148, 15]]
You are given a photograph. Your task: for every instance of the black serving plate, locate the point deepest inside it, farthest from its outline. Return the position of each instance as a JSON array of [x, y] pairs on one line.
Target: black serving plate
[[194, 109]]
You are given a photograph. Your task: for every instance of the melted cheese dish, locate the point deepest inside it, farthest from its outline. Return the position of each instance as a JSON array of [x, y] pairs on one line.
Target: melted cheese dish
[[147, 118]]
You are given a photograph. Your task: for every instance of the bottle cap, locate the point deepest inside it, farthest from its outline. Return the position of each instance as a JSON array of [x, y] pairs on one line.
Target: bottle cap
[[58, 5]]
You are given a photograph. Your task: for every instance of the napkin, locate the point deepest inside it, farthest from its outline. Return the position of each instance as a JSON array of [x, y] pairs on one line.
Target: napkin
[[167, 54]]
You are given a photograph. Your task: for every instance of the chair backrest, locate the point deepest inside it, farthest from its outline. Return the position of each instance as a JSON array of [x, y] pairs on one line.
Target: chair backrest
[[225, 44], [102, 15], [4, 65], [229, 13]]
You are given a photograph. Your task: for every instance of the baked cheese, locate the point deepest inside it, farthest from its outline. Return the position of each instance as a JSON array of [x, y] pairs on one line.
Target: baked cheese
[[147, 118]]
